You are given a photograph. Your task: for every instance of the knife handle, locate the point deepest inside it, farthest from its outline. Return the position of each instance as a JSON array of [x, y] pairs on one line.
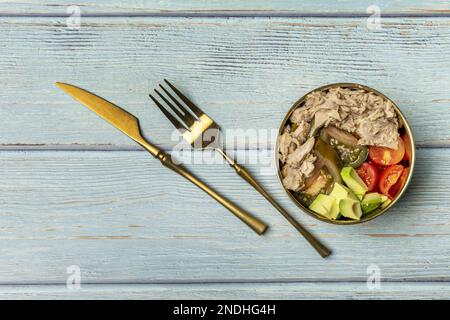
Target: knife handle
[[257, 225]]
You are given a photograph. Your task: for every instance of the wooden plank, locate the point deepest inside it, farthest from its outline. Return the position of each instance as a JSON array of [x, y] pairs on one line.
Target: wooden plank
[[238, 291], [245, 73], [232, 7], [121, 218]]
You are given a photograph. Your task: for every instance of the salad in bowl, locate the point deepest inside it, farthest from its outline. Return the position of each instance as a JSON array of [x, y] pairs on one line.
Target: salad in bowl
[[345, 153]]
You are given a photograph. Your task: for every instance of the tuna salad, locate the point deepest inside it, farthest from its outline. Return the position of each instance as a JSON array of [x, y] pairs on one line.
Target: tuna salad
[[344, 153]]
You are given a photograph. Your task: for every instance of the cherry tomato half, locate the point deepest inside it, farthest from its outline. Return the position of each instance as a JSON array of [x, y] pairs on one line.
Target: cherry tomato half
[[369, 174], [395, 189], [389, 177], [386, 156]]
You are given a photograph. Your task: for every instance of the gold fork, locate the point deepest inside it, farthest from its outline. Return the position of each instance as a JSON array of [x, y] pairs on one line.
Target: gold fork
[[199, 131]]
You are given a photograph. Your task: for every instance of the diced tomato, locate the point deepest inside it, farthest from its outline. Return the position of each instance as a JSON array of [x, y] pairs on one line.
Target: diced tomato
[[386, 156], [408, 147], [369, 174], [395, 189], [389, 178]]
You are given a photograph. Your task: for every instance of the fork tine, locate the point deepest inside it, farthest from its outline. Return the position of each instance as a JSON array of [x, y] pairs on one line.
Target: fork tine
[[187, 115], [169, 116], [171, 106], [196, 110]]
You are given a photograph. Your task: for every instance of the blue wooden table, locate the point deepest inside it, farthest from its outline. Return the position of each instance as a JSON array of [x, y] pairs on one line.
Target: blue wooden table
[[76, 193]]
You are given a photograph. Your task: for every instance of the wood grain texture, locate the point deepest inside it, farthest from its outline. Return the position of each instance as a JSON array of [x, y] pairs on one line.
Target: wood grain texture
[[245, 73], [239, 291], [123, 218], [231, 7], [139, 231]]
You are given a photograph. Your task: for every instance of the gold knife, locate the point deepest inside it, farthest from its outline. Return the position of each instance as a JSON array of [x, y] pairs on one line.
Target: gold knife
[[129, 124]]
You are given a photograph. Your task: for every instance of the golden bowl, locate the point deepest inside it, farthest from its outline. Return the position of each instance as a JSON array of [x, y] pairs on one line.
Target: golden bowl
[[370, 215]]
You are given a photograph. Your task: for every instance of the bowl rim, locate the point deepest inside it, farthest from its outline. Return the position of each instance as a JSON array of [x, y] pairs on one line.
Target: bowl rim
[[377, 212]]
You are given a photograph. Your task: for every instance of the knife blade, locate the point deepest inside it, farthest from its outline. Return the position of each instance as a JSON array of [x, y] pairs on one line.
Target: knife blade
[[129, 124], [115, 115]]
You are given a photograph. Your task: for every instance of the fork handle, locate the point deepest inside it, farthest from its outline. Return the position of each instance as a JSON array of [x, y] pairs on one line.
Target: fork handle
[[257, 225], [319, 246]]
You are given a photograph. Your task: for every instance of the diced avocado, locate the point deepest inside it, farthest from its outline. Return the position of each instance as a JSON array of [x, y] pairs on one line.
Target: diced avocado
[[325, 206], [383, 198], [318, 205], [334, 212], [370, 202], [342, 192], [350, 208], [385, 203], [353, 181]]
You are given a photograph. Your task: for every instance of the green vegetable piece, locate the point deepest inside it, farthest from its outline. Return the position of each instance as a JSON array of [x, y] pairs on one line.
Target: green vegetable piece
[[385, 203], [340, 192], [350, 208], [330, 158], [353, 181], [325, 206], [359, 155], [370, 202], [346, 146], [334, 212], [383, 198]]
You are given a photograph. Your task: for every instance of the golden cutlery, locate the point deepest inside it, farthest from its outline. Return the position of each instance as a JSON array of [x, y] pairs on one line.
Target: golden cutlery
[[200, 131], [129, 124]]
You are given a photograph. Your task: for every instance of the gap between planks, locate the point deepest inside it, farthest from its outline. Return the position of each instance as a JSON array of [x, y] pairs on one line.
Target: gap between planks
[[234, 14], [228, 282]]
